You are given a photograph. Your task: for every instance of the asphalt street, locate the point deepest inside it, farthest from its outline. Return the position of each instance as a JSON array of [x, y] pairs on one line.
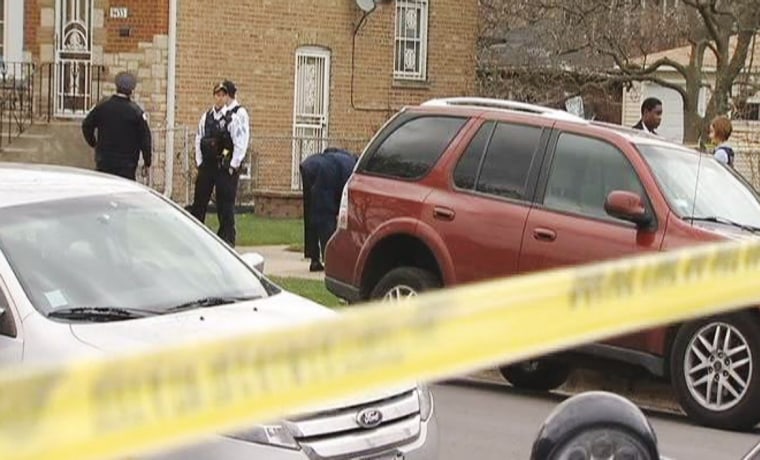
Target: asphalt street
[[486, 421]]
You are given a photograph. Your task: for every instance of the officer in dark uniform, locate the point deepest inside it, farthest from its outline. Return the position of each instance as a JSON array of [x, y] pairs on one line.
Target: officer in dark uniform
[[323, 177], [122, 131], [220, 147]]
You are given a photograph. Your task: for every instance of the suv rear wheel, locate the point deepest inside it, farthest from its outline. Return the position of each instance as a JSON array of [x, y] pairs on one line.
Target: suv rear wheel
[[715, 368], [536, 374], [404, 282]]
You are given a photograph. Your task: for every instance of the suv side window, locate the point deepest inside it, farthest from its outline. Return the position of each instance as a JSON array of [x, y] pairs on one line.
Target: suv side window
[[466, 171], [413, 148], [508, 161], [583, 172]]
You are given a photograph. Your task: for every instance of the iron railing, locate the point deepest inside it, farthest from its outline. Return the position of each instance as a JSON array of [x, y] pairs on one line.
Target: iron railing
[[31, 92], [17, 95]]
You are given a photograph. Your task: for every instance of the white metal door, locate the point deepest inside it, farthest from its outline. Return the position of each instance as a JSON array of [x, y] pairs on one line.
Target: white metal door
[[73, 57], [310, 106]]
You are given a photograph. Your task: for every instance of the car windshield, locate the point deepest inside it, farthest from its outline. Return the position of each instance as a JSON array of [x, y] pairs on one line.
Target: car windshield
[[721, 193], [120, 251]]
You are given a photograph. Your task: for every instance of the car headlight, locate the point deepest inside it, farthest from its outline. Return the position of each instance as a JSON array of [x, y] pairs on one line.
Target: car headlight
[[272, 435], [426, 401]]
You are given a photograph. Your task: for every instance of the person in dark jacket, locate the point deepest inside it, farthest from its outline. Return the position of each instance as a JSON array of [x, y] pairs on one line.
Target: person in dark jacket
[[323, 177], [118, 130]]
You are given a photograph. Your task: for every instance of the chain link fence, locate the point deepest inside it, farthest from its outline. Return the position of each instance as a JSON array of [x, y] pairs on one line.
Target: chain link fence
[[271, 163]]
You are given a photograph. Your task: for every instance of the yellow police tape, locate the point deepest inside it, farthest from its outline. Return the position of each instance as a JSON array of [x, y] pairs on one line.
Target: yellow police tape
[[125, 404]]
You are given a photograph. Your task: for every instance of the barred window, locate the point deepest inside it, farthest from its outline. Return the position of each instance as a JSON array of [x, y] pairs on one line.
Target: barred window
[[411, 40]]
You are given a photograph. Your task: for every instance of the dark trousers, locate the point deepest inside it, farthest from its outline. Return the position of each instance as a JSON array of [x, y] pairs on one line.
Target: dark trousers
[[125, 171], [310, 235], [324, 228], [210, 178]]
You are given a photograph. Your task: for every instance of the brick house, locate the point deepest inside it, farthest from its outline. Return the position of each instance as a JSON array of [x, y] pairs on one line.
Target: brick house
[[311, 74]]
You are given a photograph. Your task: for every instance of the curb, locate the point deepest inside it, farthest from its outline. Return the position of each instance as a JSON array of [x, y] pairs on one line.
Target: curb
[[646, 393]]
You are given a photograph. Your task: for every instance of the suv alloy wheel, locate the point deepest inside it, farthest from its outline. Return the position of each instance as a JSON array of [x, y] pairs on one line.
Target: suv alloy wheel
[[715, 369], [536, 374], [404, 282]]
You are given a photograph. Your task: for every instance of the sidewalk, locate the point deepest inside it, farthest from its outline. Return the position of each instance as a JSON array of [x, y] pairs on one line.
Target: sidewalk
[[278, 261]]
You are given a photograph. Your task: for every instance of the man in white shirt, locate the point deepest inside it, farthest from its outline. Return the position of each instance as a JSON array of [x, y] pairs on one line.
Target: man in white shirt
[[651, 115], [221, 144]]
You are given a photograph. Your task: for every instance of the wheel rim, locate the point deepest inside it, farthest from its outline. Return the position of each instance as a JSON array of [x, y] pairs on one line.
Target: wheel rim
[[399, 293], [718, 366]]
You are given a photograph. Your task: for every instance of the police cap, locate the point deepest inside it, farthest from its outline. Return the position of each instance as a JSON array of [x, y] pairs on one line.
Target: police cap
[[227, 86], [125, 83]]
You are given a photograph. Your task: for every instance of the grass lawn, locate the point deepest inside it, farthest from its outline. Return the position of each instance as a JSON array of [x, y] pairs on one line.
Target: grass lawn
[[311, 289], [253, 230]]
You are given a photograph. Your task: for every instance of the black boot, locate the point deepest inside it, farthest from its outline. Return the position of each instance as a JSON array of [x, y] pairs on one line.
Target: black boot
[[316, 266]]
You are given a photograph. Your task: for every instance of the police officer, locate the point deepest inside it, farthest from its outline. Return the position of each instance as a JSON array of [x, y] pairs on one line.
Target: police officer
[[122, 131], [220, 147]]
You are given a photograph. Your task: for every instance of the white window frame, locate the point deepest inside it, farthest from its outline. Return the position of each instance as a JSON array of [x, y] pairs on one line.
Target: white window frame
[[13, 31], [418, 41], [5, 32]]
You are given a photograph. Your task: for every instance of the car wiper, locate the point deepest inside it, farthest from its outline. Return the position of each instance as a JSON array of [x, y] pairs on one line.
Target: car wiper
[[206, 302], [100, 313], [723, 220]]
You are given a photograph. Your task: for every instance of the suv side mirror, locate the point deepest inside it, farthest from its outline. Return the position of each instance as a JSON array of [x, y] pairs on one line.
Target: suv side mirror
[[629, 206], [254, 260]]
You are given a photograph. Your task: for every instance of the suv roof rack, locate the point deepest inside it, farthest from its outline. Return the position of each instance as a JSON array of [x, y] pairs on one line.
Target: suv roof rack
[[503, 104]]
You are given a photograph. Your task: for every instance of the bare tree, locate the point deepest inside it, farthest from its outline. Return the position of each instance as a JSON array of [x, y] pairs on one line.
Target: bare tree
[[618, 42]]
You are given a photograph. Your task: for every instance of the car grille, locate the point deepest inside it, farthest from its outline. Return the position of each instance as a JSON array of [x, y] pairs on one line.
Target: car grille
[[338, 435]]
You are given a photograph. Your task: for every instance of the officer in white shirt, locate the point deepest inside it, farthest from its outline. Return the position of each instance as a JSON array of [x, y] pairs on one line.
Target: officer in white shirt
[[221, 144]]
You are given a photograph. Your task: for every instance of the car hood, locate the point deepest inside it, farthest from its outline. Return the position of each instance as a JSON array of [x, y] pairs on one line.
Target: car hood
[[281, 310], [261, 315], [728, 232]]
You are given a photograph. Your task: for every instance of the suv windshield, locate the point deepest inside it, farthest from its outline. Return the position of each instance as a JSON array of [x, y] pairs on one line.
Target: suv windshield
[[722, 195], [118, 252]]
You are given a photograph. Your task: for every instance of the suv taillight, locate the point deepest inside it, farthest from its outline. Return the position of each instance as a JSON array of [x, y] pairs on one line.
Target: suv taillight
[[343, 210]]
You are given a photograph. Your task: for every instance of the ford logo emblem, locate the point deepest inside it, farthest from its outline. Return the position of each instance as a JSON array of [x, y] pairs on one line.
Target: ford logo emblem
[[369, 418]]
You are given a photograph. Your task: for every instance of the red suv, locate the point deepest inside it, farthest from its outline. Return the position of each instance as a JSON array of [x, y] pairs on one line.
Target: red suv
[[466, 189]]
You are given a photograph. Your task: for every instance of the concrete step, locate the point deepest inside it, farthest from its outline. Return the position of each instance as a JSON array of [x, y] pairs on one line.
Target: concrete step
[[58, 143]]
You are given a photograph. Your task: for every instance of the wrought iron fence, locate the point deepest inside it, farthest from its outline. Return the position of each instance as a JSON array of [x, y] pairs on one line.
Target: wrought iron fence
[[17, 93]]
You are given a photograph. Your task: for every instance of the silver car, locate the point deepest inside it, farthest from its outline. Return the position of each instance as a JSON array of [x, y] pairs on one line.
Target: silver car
[[93, 264]]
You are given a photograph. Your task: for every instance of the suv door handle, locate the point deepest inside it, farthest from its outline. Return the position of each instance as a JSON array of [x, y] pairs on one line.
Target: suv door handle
[[439, 212], [544, 234]]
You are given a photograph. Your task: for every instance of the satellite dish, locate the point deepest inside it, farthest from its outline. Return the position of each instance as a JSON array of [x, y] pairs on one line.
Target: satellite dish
[[367, 6]]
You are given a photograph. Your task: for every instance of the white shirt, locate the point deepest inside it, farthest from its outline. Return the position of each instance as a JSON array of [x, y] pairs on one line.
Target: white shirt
[[217, 114], [240, 132]]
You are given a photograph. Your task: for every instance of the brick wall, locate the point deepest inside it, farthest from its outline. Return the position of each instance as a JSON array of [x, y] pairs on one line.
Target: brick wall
[[253, 42], [31, 24], [145, 20]]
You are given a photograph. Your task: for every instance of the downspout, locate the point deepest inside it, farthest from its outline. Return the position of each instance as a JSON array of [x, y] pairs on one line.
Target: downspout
[[170, 99]]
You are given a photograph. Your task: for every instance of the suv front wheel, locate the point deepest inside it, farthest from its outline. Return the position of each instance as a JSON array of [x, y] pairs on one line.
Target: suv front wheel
[[536, 374], [715, 368], [404, 282]]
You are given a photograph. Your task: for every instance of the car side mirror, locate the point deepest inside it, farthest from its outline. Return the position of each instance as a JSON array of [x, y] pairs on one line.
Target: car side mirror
[[629, 206], [254, 260]]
